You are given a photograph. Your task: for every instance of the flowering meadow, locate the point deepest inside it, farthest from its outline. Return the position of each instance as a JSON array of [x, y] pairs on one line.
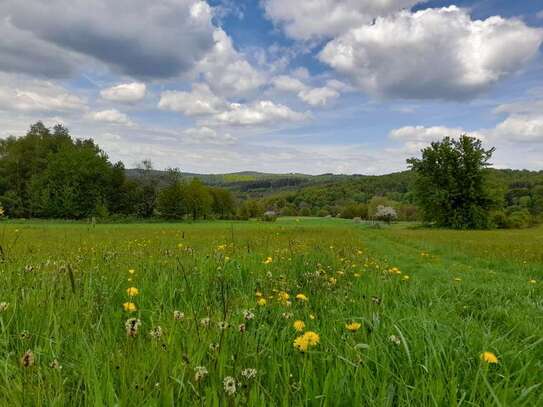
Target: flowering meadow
[[298, 312]]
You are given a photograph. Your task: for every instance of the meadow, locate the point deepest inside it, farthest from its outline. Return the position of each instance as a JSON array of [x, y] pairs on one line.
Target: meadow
[[316, 312]]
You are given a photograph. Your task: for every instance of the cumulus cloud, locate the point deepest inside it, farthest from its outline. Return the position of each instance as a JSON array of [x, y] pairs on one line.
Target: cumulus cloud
[[202, 103], [319, 96], [520, 128], [199, 102], [314, 19], [158, 39], [37, 96], [125, 93], [432, 53], [259, 113], [112, 116], [227, 71]]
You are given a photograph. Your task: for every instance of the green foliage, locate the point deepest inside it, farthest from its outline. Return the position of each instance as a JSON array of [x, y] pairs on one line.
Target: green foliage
[[450, 187]]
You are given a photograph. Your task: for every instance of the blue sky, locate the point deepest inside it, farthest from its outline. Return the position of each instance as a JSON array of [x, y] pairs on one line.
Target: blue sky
[[314, 86]]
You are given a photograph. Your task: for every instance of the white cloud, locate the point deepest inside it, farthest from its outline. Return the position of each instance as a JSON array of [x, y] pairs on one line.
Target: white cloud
[[208, 135], [424, 134], [432, 53], [313, 19], [259, 113], [125, 93], [520, 128], [200, 101], [143, 39], [318, 96], [36, 96], [112, 116], [227, 71], [288, 84]]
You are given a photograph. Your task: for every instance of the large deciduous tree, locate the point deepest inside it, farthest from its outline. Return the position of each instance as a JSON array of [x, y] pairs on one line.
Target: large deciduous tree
[[450, 187]]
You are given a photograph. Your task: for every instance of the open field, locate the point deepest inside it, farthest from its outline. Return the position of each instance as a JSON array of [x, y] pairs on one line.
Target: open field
[[429, 303]]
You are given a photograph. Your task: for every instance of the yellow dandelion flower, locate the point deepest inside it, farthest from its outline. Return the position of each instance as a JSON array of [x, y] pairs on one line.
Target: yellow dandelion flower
[[129, 307], [261, 301], [283, 296], [353, 326], [301, 343], [268, 260], [132, 291], [312, 338], [131, 271], [299, 325], [489, 357], [302, 297]]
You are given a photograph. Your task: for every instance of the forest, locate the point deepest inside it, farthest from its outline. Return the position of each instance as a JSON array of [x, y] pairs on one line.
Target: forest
[[49, 174]]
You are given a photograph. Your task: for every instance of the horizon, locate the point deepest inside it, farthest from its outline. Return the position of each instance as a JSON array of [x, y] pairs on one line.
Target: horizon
[[220, 86]]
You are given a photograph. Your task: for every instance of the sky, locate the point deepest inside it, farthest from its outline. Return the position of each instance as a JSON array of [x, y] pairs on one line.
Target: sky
[[310, 86]]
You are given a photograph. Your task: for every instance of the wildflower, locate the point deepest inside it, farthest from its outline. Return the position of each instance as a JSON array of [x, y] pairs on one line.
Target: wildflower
[[178, 315], [221, 247], [332, 281], [268, 260], [132, 326], [261, 301], [248, 315], [213, 347], [130, 307], [302, 297], [200, 373], [311, 316], [287, 315], [132, 291], [283, 296], [29, 268], [258, 294], [489, 357], [3, 306], [376, 300], [55, 365], [205, 322], [229, 385], [242, 328], [223, 325], [27, 360], [532, 281], [394, 270], [299, 325], [156, 332], [406, 277], [131, 271], [179, 245], [353, 326], [395, 339], [249, 373], [302, 343]]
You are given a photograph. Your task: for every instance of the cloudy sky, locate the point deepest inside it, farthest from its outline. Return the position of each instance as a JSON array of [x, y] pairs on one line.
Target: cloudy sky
[[314, 86]]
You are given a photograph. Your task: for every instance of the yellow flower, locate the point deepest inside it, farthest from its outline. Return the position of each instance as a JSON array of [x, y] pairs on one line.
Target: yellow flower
[[131, 271], [261, 301], [129, 307], [406, 277], [283, 296], [268, 260], [302, 343], [489, 357], [258, 294], [312, 338], [311, 316], [299, 325], [353, 326], [302, 297], [132, 291], [532, 281]]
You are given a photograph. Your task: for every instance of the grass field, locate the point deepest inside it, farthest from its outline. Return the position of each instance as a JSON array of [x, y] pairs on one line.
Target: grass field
[[215, 306]]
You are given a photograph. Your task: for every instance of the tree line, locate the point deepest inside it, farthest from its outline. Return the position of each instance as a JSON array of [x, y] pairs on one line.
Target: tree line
[[49, 174]]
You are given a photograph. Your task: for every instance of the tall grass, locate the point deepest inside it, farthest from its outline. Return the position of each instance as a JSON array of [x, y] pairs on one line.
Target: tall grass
[[420, 340]]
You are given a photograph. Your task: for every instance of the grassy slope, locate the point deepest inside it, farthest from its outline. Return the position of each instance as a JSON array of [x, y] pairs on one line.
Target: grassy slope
[[443, 324]]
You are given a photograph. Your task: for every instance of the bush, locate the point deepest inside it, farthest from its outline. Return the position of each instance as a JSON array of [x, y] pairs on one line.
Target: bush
[[269, 216], [386, 213], [519, 219]]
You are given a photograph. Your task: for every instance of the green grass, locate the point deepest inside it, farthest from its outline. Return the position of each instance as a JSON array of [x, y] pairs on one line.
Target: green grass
[[467, 292]]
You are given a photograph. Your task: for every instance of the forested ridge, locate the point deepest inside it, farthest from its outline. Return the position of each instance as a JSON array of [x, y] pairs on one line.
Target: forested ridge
[[49, 174]]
